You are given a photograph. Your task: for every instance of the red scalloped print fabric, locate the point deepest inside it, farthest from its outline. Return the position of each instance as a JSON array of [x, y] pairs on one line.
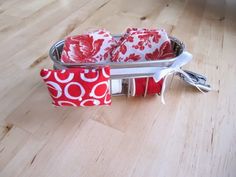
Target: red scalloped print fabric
[[78, 86], [93, 47], [143, 45]]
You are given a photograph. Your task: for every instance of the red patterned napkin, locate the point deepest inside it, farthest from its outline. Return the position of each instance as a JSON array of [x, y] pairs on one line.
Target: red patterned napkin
[[93, 47], [79, 86], [143, 44]]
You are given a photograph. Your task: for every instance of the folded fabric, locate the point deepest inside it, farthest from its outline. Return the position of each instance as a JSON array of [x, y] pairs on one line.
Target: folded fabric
[[78, 86], [116, 86], [93, 47], [139, 87], [143, 44]]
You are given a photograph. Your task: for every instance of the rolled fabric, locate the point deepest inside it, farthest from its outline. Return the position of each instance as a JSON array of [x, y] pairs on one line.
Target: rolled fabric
[[116, 86], [143, 45], [92, 47], [138, 86]]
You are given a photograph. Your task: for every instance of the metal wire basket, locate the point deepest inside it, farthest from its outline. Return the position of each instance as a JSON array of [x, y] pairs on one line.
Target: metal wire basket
[[128, 71]]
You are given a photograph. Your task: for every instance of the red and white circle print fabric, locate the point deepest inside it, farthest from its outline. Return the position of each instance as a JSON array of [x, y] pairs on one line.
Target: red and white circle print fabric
[[93, 47], [78, 86], [143, 44]]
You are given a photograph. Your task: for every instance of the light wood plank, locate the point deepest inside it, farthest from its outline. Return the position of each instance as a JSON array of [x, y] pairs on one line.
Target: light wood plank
[[192, 135]]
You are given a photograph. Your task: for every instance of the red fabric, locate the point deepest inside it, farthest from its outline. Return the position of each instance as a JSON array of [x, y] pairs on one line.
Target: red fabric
[[88, 87], [153, 87], [78, 86], [143, 44], [93, 47]]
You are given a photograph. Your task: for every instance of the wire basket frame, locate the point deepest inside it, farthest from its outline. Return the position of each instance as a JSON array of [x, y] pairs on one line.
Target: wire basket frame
[[118, 68]]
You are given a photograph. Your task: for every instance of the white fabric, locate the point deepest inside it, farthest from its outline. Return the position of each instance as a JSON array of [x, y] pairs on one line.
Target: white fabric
[[148, 43], [116, 86]]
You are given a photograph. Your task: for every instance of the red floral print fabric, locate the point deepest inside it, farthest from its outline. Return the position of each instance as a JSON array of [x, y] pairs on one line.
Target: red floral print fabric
[[93, 47], [78, 86], [143, 44]]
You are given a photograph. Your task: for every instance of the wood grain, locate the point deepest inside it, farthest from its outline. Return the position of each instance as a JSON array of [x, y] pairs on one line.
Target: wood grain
[[192, 135]]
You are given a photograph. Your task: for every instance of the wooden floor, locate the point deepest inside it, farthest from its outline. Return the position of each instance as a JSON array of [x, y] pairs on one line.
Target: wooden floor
[[193, 135]]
